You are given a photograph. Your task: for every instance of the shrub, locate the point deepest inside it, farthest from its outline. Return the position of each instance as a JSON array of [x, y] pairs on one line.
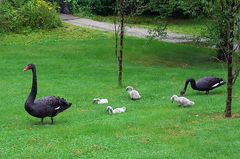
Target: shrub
[[39, 14], [16, 16], [100, 7], [9, 18], [169, 8]]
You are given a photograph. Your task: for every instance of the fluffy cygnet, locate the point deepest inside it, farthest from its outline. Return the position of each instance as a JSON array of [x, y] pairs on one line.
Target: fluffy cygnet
[[182, 101], [134, 94], [110, 110]]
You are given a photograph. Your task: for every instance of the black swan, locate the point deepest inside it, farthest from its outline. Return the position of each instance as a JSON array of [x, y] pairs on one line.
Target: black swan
[[203, 84], [45, 107]]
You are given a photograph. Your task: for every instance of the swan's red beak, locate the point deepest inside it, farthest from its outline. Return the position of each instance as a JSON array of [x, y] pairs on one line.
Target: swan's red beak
[[26, 68]]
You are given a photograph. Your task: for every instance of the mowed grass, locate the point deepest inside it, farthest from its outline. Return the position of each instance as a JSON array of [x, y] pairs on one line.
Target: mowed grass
[[80, 64]]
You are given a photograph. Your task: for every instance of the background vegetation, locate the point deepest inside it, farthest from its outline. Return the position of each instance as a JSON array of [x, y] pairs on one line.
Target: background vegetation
[[172, 8], [27, 15]]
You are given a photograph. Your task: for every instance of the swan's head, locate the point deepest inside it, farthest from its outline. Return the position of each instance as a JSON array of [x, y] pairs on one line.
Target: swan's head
[[29, 67], [173, 98], [95, 100], [129, 88], [109, 109]]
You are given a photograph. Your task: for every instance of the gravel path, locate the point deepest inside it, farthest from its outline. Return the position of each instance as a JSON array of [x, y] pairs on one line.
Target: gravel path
[[132, 31]]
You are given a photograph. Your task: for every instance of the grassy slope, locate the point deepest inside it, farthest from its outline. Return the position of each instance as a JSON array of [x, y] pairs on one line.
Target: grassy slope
[[183, 26], [83, 67]]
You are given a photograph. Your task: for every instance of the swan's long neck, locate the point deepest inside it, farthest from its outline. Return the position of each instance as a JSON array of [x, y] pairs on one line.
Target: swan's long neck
[[33, 92], [193, 84]]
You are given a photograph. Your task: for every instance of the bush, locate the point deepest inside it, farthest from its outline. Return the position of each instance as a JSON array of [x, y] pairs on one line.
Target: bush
[[100, 7], [39, 14], [176, 8], [9, 18], [165, 8], [33, 14]]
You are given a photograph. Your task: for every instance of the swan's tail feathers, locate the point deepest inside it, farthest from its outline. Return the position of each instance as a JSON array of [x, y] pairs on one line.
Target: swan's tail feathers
[[221, 81], [63, 103]]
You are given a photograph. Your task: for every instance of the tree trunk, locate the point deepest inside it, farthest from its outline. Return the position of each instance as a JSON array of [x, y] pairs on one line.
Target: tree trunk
[[64, 7], [120, 59], [220, 54], [229, 52], [228, 113], [116, 31]]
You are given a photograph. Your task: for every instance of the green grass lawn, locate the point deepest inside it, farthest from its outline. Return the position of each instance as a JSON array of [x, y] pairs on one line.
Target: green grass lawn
[[80, 64], [193, 27]]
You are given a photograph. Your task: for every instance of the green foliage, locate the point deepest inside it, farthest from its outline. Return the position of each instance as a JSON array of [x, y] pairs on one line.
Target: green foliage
[[15, 3], [16, 16], [221, 16], [9, 18], [163, 8], [73, 5], [172, 8], [176, 8], [39, 14], [100, 7]]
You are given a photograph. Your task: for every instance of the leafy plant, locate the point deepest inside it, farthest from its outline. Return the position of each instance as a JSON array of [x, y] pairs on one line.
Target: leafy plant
[[9, 18], [39, 14], [17, 16]]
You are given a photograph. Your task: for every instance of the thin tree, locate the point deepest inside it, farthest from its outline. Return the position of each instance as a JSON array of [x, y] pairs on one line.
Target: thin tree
[[64, 7], [120, 58], [119, 11], [124, 8], [227, 20]]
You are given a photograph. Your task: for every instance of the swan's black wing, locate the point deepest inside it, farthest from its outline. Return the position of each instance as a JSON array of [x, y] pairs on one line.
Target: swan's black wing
[[208, 83], [57, 103]]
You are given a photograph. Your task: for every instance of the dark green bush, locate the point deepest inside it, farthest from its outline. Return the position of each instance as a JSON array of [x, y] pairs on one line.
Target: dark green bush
[[100, 7], [17, 16], [169, 8], [9, 18], [39, 14]]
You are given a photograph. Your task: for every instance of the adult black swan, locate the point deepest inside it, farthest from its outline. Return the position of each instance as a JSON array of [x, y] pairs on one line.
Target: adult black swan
[[203, 84], [45, 107]]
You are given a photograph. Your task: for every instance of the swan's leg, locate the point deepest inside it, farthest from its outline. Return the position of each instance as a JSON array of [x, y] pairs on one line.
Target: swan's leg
[[42, 120], [51, 120], [207, 92]]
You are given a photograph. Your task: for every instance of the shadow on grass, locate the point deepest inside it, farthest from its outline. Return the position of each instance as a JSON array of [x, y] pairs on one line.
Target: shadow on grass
[[198, 93], [47, 122]]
